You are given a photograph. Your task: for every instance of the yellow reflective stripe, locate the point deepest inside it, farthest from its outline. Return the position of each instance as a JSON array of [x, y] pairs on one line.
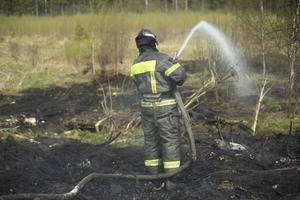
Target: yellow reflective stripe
[[153, 82], [171, 164], [152, 163], [143, 67], [172, 69], [164, 102]]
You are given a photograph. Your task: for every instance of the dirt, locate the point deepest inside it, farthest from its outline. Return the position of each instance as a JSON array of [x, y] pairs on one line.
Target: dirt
[[268, 169]]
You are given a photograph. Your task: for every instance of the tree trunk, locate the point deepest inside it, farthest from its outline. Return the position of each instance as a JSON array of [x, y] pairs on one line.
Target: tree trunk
[[262, 89], [292, 52], [50, 7], [36, 8], [202, 4], [175, 4], [73, 7], [146, 4], [91, 6], [262, 28], [93, 55], [62, 9], [166, 5], [258, 106], [186, 5], [46, 9]]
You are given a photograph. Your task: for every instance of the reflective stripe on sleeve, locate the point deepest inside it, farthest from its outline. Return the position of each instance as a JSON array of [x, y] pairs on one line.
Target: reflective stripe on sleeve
[[152, 163], [172, 69], [164, 102], [171, 164]]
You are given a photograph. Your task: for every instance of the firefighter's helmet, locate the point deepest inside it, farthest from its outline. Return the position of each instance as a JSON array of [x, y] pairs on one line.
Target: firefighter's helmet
[[145, 37]]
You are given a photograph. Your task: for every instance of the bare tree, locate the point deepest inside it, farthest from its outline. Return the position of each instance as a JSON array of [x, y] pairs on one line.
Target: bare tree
[[262, 87]]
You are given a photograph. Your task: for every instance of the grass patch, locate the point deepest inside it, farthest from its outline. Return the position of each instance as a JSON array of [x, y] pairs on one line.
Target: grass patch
[[276, 123], [83, 136]]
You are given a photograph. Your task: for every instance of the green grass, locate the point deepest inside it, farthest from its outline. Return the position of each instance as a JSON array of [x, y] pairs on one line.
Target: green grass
[[275, 123], [93, 138], [134, 138]]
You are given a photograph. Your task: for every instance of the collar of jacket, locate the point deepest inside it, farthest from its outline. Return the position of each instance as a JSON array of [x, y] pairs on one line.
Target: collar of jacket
[[143, 49]]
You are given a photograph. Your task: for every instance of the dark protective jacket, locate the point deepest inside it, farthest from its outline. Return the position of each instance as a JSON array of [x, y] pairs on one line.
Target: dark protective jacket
[[155, 72]]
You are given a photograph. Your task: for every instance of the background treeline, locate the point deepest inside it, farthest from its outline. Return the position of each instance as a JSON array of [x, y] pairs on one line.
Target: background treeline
[[67, 7]]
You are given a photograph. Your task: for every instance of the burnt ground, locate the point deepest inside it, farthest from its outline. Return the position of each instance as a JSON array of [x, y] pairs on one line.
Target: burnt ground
[[268, 169]]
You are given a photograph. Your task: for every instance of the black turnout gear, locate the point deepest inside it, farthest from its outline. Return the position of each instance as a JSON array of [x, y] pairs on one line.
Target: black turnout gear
[[156, 75]]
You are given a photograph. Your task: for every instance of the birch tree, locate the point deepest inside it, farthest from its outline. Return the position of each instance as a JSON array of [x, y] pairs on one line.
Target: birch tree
[[262, 86]]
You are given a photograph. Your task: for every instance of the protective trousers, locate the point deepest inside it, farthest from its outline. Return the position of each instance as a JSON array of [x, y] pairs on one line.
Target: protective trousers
[[161, 137]]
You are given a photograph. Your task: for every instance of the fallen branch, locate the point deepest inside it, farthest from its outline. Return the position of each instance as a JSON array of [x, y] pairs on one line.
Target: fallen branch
[[98, 123], [269, 170], [223, 122], [133, 123], [211, 84], [233, 171]]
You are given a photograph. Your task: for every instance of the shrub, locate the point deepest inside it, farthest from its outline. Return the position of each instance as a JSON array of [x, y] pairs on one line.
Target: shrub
[[113, 45], [14, 49], [33, 54], [78, 49]]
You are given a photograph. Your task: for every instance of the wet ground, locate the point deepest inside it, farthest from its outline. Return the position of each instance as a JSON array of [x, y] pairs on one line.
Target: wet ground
[[267, 169]]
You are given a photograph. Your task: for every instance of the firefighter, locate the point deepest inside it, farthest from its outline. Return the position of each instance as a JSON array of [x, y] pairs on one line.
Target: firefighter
[[156, 75]]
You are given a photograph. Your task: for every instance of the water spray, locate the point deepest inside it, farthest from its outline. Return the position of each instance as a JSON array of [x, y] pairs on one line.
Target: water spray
[[234, 61]]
